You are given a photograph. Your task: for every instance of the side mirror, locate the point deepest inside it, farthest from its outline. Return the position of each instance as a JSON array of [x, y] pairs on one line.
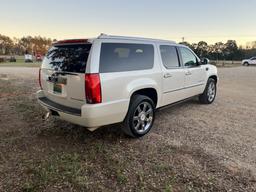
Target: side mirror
[[205, 61]]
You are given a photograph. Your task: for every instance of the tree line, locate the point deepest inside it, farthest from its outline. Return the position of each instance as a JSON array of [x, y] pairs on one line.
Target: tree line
[[31, 45], [222, 51], [217, 51]]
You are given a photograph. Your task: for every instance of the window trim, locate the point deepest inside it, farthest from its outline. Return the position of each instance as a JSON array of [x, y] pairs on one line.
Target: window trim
[[178, 56]]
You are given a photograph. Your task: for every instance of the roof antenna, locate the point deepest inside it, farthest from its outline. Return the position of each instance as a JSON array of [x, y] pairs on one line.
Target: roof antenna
[[103, 34]]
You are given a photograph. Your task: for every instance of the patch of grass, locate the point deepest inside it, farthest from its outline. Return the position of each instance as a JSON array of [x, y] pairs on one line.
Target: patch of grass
[[24, 107], [9, 90], [27, 108], [60, 168], [121, 178], [115, 165], [168, 188], [28, 187], [99, 147], [141, 182], [161, 168], [6, 87], [211, 180], [20, 64], [169, 185]]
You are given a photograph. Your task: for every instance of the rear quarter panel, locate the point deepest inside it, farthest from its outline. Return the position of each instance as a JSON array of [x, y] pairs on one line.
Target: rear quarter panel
[[122, 85]]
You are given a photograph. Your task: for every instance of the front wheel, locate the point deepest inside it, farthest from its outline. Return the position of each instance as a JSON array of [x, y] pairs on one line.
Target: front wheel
[[140, 116], [209, 93]]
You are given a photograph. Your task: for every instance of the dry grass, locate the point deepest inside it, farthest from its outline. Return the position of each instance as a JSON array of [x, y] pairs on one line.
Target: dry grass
[[191, 148]]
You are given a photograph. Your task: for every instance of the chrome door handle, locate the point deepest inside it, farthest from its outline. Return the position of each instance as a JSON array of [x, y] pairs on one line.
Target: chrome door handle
[[167, 75], [188, 73]]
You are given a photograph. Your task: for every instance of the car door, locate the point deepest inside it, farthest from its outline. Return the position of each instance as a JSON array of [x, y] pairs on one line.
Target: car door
[[195, 74], [173, 75]]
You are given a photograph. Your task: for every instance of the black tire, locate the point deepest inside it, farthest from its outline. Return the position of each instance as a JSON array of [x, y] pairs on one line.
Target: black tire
[[246, 64], [128, 125], [205, 98]]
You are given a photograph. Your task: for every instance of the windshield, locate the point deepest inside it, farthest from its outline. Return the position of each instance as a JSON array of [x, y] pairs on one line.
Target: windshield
[[67, 58]]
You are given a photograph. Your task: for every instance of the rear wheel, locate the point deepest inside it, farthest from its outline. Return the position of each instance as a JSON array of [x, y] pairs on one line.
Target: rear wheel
[[140, 116], [209, 93]]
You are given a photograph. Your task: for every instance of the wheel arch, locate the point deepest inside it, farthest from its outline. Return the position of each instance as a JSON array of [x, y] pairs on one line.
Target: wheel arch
[[149, 92], [144, 86], [214, 77]]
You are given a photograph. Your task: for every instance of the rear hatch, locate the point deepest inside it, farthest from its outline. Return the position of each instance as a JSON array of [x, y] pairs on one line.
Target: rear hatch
[[63, 72]]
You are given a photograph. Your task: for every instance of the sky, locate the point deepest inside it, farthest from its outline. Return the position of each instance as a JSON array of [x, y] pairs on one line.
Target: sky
[[195, 20]]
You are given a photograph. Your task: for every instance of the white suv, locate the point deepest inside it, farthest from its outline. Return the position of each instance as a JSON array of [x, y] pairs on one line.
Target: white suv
[[112, 79], [251, 61]]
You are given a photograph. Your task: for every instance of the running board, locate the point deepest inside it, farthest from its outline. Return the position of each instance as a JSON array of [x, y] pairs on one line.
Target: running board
[[176, 103]]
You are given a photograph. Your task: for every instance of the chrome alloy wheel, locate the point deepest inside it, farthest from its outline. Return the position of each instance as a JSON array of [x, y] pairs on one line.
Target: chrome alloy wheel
[[211, 91], [143, 117]]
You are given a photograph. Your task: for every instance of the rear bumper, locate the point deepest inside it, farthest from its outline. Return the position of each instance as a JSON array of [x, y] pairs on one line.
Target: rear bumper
[[90, 116], [57, 107]]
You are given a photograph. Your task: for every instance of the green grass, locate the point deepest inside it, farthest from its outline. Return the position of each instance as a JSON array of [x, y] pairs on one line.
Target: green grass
[[168, 188], [222, 63], [59, 168], [19, 64]]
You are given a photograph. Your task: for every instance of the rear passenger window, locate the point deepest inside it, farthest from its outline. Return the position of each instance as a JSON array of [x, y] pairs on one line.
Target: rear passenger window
[[169, 56], [118, 57]]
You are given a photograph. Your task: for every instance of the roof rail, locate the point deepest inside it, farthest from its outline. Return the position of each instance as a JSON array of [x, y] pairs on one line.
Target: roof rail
[[105, 36]]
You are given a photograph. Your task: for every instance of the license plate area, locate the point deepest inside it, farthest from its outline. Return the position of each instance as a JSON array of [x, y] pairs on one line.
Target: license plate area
[[57, 88]]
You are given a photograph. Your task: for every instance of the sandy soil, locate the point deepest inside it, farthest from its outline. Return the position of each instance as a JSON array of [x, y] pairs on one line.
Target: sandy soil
[[192, 147]]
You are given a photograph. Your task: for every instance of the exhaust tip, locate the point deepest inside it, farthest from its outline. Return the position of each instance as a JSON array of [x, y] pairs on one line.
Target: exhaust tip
[[46, 116]]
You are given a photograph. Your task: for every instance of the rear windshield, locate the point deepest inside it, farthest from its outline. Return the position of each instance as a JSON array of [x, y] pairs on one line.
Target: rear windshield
[[67, 58], [118, 57]]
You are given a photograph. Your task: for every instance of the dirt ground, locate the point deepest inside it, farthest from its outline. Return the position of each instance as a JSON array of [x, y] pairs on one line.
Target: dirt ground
[[192, 147]]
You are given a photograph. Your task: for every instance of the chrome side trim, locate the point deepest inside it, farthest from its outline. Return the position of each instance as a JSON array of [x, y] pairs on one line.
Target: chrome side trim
[[188, 87]]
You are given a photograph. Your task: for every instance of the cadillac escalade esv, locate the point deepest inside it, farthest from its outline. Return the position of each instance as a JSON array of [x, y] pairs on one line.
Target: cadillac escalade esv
[[114, 79]]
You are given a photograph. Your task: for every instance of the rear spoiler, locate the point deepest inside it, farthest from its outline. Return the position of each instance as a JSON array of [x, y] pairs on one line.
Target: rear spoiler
[[71, 41]]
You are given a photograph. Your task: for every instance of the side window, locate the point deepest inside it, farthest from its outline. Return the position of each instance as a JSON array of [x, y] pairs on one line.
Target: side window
[[169, 56], [118, 57], [188, 58]]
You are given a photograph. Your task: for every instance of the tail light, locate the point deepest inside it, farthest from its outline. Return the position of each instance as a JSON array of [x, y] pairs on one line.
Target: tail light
[[93, 88], [39, 79]]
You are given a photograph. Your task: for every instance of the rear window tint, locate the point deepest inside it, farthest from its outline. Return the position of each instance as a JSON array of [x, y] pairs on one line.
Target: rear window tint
[[68, 58], [118, 57]]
